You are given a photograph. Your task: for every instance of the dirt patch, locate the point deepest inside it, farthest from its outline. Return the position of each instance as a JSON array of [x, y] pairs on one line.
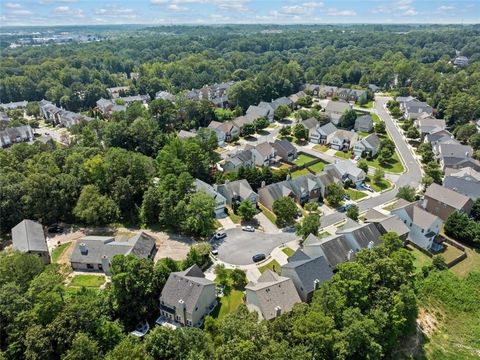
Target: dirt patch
[[427, 322], [171, 245]]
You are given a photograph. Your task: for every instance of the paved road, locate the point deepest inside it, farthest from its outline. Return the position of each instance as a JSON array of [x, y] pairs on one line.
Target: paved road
[[239, 246]]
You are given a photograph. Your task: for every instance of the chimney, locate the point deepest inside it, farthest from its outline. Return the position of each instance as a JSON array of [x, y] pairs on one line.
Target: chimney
[[371, 244], [262, 184], [316, 284], [83, 249], [105, 264], [278, 311]]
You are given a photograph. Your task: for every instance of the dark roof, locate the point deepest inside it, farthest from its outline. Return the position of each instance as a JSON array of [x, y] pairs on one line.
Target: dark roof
[[465, 187], [283, 144]]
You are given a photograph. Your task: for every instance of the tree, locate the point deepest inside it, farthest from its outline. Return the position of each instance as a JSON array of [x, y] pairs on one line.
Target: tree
[[83, 348], [464, 132], [247, 130], [438, 262], [311, 206], [285, 210], [239, 279], [362, 164], [407, 193], [261, 123], [199, 215], [352, 212], [94, 208], [300, 132], [475, 212], [347, 120], [286, 130], [305, 101], [474, 141], [432, 169], [461, 228], [309, 225], [128, 345], [282, 112], [199, 254], [413, 133], [246, 210], [378, 176], [335, 193]]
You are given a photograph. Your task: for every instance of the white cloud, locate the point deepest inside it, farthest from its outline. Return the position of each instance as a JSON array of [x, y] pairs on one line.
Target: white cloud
[[56, 1], [10, 5], [176, 7], [446, 8], [336, 12], [224, 5], [66, 10], [21, 12], [405, 7]]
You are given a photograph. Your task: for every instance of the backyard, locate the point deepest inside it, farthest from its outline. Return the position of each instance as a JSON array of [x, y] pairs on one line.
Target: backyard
[[318, 167], [228, 304], [88, 281], [302, 159], [344, 155], [300, 172]]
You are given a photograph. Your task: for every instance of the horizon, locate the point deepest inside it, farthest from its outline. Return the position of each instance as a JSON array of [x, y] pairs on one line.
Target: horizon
[[50, 13]]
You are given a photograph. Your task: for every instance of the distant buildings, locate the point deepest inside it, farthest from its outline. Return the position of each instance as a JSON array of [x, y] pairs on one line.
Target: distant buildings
[[414, 108], [14, 105], [10, 136], [106, 107], [59, 116], [216, 94], [461, 61]]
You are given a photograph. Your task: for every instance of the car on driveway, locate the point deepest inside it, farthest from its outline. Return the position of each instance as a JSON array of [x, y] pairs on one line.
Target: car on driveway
[[55, 229], [248, 228], [219, 235], [346, 197], [367, 187], [258, 257], [214, 252]]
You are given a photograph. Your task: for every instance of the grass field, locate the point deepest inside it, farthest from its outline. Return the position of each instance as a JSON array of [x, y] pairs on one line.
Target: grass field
[[92, 281], [382, 185], [288, 251], [298, 173], [355, 195], [302, 159], [362, 134], [234, 217], [321, 148], [272, 265], [58, 251], [394, 166], [318, 167], [420, 259], [228, 304]]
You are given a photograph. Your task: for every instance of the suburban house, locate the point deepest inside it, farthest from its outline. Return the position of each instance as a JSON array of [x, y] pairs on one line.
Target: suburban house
[[437, 136], [264, 154], [452, 149], [461, 61], [367, 146], [282, 101], [220, 201], [348, 170], [268, 108], [237, 191], [165, 95], [182, 134], [188, 297], [241, 121], [302, 189], [465, 181], [310, 123], [429, 125], [414, 108], [294, 98], [271, 295], [229, 130], [451, 164], [217, 94], [322, 134], [116, 92], [242, 158], [307, 273], [28, 237], [343, 140], [442, 201], [387, 223], [10, 136], [325, 91], [285, 150], [59, 116], [363, 123], [14, 105], [363, 236], [424, 226], [95, 253], [335, 110], [4, 118], [258, 112]]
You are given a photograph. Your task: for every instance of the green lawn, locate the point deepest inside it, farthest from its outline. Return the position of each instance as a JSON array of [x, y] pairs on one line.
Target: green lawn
[[302, 159], [272, 265], [321, 148], [234, 217], [375, 118], [318, 167], [368, 105], [362, 134], [288, 251], [394, 166], [344, 155], [228, 304], [270, 215], [382, 185], [58, 251], [93, 281], [420, 259], [298, 173], [355, 195]]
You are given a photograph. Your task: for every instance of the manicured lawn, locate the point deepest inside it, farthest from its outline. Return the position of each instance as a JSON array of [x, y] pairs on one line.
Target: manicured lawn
[[362, 134], [450, 253], [382, 185], [321, 148], [470, 264], [318, 167], [94, 281], [234, 217], [288, 251], [420, 259], [299, 173], [375, 118], [303, 159], [272, 265], [394, 166], [228, 304], [58, 251], [355, 195], [344, 155], [368, 105], [284, 166], [270, 215]]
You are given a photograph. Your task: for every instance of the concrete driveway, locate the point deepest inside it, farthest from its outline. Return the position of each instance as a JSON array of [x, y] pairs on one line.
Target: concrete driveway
[[239, 246]]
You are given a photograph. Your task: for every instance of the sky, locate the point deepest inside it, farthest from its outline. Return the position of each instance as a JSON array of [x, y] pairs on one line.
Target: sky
[[167, 12]]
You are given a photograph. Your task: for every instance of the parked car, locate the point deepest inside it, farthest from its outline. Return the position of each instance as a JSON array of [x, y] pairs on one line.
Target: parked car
[[258, 257], [55, 229], [219, 235], [248, 228], [214, 252], [367, 187], [356, 158], [346, 197]]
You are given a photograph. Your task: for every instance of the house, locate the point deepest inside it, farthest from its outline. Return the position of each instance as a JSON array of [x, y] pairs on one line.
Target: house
[[241, 121], [16, 134], [165, 95], [325, 91], [452, 149], [335, 110], [442, 201], [14, 105], [104, 106], [182, 134], [4, 118], [367, 146], [413, 108], [269, 108], [348, 170], [217, 94], [429, 125], [264, 154], [28, 237], [465, 181], [461, 61], [220, 201], [310, 123], [364, 123], [322, 134], [451, 164], [307, 273], [312, 89], [128, 100], [188, 297], [229, 130], [95, 253], [285, 150], [424, 226], [116, 92], [387, 223], [282, 101], [302, 189], [237, 191], [363, 236], [296, 97], [437, 136], [233, 163], [258, 112], [271, 295], [343, 140]]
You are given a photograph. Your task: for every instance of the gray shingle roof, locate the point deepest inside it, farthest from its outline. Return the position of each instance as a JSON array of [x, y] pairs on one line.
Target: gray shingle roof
[[28, 236], [372, 140], [337, 107], [447, 196], [327, 129], [236, 188], [363, 235], [284, 144]]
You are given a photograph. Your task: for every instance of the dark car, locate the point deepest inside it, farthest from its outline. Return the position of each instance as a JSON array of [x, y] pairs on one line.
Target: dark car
[[55, 229], [346, 197], [258, 257]]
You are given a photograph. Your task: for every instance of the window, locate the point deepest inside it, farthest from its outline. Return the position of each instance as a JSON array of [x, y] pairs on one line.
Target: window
[[423, 231], [89, 266]]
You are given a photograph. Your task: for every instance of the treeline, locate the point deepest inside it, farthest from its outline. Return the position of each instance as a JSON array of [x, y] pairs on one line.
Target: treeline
[[361, 313]]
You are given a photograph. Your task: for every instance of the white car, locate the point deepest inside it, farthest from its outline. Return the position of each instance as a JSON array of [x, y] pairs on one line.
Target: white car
[[367, 187], [248, 228], [219, 235]]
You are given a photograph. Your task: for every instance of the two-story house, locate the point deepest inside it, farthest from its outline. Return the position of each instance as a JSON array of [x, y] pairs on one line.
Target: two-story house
[[368, 146], [347, 170], [237, 191], [220, 201], [322, 134], [264, 154], [442, 201], [285, 150], [343, 140]]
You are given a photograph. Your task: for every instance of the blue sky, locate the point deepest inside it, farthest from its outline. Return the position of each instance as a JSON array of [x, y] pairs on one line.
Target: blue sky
[[70, 12]]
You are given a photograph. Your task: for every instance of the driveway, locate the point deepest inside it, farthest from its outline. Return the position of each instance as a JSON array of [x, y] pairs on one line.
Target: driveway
[[239, 246]]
